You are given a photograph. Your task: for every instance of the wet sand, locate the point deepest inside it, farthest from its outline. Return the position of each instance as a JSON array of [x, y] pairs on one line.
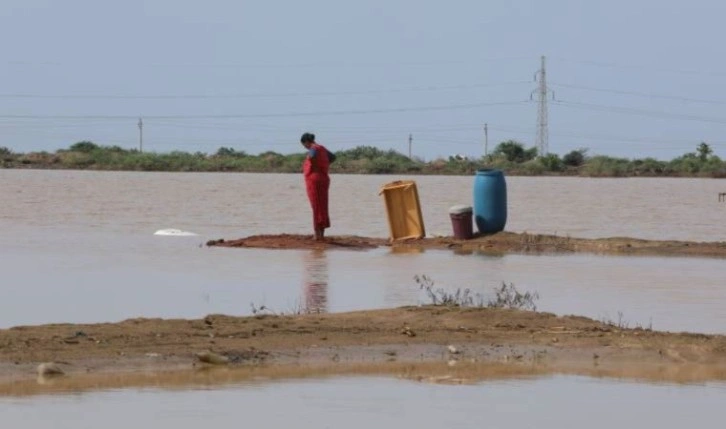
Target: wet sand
[[412, 342], [502, 242]]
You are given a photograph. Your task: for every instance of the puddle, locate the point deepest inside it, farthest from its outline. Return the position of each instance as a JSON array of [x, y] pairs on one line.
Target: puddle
[[359, 402]]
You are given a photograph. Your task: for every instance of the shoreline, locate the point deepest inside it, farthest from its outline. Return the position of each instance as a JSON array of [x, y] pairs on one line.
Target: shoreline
[[448, 344], [498, 243], [427, 170]]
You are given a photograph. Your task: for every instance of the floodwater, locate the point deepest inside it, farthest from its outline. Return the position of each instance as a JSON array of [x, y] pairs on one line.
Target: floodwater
[[548, 402], [78, 246]]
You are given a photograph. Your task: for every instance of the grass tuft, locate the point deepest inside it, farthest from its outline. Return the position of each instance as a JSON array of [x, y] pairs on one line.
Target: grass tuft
[[506, 296]]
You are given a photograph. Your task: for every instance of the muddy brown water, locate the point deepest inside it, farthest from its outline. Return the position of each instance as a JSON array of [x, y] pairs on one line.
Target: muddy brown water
[[548, 402], [78, 246]]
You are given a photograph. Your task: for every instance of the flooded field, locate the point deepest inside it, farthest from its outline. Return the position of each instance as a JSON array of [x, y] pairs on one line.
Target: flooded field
[[79, 247], [359, 402], [232, 205], [119, 278]]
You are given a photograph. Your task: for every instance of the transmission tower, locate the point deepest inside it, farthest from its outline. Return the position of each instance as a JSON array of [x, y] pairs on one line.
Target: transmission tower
[[542, 126]]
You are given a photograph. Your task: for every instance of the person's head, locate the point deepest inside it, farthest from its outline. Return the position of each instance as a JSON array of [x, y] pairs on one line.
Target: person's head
[[307, 139]]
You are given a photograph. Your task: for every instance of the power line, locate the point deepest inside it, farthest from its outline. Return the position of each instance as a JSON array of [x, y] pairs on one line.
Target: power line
[[317, 64], [521, 131], [640, 112], [619, 138], [361, 129], [390, 136], [640, 94], [375, 131], [254, 95], [603, 64], [273, 115]]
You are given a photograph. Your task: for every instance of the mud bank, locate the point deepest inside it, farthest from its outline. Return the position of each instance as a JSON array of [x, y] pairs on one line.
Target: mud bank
[[423, 343], [503, 242]]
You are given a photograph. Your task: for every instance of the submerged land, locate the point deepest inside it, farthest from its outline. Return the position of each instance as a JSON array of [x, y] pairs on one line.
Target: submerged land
[[502, 242], [438, 343]]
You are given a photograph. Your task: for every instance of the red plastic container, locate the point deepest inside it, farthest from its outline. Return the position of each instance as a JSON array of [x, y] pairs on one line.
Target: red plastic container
[[461, 221]]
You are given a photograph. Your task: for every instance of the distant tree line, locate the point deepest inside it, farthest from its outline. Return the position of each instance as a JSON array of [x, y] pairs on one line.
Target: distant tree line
[[510, 156]]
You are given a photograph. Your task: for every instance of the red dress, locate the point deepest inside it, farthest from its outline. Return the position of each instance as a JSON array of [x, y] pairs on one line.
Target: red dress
[[317, 183]]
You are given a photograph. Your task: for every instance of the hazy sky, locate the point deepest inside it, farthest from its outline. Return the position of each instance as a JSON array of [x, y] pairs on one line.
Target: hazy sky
[[630, 78]]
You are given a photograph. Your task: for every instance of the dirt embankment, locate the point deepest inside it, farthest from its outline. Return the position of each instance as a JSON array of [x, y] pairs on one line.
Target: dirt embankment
[[503, 242], [450, 343]]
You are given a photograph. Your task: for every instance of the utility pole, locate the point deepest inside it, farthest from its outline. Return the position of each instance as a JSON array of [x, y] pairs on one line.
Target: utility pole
[[486, 139], [141, 135], [410, 141], [542, 116]]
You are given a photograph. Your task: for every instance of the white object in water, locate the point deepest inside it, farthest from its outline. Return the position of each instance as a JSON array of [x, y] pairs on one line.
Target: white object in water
[[174, 232]]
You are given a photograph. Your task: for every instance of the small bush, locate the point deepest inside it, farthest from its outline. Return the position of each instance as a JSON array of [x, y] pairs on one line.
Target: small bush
[[439, 296], [514, 151], [506, 296], [84, 147], [6, 157], [230, 152], [551, 162], [575, 158]]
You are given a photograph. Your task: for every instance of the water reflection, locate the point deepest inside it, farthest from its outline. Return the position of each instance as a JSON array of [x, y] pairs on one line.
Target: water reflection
[[403, 250], [316, 281], [355, 402]]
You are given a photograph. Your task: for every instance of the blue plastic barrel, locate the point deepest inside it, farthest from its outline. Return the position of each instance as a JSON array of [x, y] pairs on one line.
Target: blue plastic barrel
[[490, 201]]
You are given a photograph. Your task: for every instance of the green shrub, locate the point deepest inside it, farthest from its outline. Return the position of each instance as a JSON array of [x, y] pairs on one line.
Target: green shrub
[[230, 152], [382, 166], [650, 167], [510, 156], [513, 151], [606, 166], [551, 162], [576, 158], [84, 146]]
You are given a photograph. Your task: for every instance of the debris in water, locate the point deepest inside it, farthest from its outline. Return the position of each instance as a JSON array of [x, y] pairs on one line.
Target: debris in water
[[175, 232]]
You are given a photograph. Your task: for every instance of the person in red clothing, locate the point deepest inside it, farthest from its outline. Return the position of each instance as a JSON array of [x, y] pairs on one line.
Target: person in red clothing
[[317, 182]]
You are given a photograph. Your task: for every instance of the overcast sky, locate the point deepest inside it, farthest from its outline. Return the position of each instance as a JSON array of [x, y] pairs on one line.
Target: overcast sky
[[630, 78]]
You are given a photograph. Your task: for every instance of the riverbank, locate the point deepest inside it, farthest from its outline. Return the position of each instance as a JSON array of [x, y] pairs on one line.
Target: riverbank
[[502, 242], [435, 343]]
